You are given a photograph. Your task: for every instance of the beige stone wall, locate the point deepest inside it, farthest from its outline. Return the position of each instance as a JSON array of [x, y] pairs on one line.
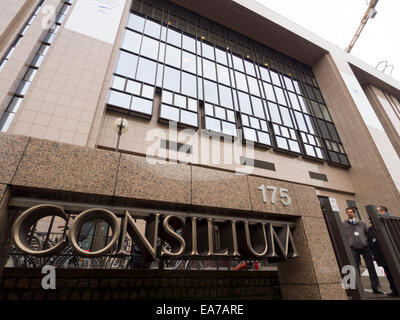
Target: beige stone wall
[[12, 17], [16, 67], [387, 109], [373, 176], [62, 100]]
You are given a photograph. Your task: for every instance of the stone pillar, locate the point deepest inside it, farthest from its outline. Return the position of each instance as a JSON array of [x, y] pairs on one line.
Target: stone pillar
[[315, 274], [4, 227]]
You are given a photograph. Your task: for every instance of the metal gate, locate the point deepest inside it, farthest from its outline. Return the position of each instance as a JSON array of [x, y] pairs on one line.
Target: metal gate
[[387, 230], [343, 253]]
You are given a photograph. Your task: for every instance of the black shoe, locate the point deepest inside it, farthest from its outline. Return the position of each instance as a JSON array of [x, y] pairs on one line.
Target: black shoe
[[377, 292], [393, 294]]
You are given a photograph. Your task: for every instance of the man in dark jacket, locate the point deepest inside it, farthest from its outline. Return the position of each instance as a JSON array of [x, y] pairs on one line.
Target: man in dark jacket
[[380, 259], [356, 232]]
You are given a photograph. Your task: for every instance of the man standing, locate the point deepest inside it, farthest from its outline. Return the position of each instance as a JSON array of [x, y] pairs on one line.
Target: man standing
[[384, 211], [378, 255], [356, 232]]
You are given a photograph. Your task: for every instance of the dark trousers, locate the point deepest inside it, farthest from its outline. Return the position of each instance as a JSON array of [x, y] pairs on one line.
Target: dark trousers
[[389, 278], [366, 253]]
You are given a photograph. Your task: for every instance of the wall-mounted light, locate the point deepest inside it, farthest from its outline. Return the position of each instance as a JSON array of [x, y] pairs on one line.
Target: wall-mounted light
[[120, 126]]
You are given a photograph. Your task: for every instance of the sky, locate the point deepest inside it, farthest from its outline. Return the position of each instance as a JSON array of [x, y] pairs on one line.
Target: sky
[[338, 20]]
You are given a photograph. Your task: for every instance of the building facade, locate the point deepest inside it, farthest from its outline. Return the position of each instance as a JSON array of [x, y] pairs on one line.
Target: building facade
[[227, 103]]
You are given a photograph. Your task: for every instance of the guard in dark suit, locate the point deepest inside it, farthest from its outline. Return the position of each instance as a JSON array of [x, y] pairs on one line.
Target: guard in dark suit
[[356, 233], [380, 259]]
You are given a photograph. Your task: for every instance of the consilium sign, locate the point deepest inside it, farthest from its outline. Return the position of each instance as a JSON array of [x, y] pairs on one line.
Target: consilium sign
[[183, 235]]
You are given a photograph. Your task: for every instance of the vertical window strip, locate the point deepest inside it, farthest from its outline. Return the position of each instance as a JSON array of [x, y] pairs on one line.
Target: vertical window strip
[[9, 52], [30, 74]]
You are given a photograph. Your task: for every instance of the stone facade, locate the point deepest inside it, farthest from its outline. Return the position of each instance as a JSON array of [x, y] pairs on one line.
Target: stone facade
[[76, 171]]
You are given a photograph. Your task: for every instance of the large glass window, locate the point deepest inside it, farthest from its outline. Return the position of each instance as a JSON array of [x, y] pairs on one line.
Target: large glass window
[[276, 98]]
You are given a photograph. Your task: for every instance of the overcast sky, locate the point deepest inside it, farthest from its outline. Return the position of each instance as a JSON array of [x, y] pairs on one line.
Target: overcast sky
[[337, 22]]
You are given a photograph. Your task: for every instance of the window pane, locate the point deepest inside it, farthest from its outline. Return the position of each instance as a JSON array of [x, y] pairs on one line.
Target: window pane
[[136, 22], [172, 79], [288, 83], [244, 102], [265, 74], [264, 138], [241, 83], [282, 143], [258, 107], [220, 113], [188, 62], [213, 124], [209, 70], [280, 95], [169, 113], [225, 95], [146, 71], [189, 118], [253, 84], [250, 68], [118, 83], [208, 51], [189, 43], [300, 121], [210, 92], [148, 92], [174, 37], [126, 65], [180, 101], [325, 112], [131, 41], [189, 85], [119, 99], [294, 146], [230, 115], [142, 105], [192, 105], [209, 109], [238, 63], [229, 128], [269, 91], [250, 134], [223, 75], [294, 101], [273, 109], [149, 48], [275, 78], [152, 29], [221, 56], [287, 120], [133, 87], [167, 97], [173, 57]]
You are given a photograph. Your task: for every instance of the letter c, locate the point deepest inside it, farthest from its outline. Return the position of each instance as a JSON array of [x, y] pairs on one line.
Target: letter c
[[21, 226]]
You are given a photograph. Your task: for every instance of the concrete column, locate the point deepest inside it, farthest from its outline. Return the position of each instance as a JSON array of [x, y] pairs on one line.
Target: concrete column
[[5, 225], [315, 274]]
